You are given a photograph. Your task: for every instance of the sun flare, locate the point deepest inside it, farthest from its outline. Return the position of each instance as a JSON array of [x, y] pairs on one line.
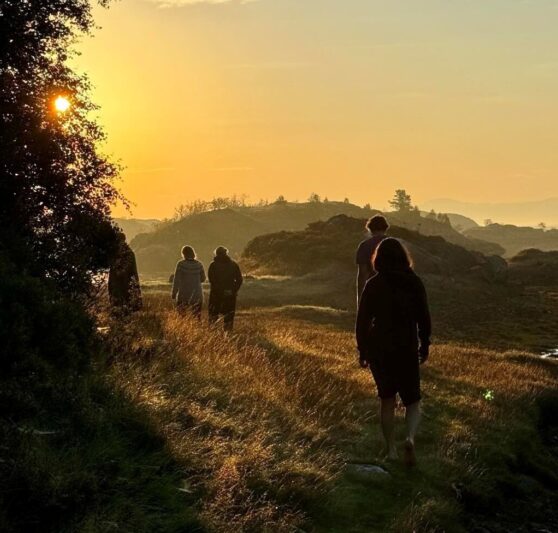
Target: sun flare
[[61, 104]]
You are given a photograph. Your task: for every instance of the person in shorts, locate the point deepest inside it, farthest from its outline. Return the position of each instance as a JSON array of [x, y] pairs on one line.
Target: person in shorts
[[393, 331]]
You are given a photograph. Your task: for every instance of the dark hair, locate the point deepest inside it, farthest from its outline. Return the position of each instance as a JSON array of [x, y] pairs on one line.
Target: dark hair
[[188, 252], [390, 256], [221, 251], [378, 223]]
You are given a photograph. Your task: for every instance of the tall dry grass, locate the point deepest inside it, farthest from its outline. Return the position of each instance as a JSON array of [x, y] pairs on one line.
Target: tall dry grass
[[263, 421]]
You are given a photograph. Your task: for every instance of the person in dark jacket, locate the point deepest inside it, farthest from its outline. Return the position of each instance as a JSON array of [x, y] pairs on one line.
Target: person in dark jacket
[[377, 227], [225, 279], [187, 283], [123, 280], [393, 331]]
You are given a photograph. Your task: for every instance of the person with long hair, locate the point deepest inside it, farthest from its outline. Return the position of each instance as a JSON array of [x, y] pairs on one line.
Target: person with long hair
[[187, 283], [393, 331]]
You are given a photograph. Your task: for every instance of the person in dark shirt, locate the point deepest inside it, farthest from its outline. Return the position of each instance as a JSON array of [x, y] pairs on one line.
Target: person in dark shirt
[[225, 279], [377, 226], [393, 331], [123, 280]]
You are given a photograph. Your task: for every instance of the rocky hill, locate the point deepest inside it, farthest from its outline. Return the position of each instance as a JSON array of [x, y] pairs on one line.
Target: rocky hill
[[323, 245], [535, 267]]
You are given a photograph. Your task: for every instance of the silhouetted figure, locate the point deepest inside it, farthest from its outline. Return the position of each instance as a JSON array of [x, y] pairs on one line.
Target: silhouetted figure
[[225, 279], [187, 283], [377, 226], [393, 317], [123, 281]]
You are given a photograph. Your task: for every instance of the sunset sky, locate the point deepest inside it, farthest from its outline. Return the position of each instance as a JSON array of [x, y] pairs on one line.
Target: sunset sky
[[347, 98]]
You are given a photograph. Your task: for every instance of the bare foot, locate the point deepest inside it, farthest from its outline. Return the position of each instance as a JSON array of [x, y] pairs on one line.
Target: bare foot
[[410, 458]]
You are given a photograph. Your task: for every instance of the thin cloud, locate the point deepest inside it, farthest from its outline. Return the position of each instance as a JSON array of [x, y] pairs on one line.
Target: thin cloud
[[185, 3]]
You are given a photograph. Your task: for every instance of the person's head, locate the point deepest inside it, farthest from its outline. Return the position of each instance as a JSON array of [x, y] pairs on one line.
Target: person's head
[[221, 251], [188, 252], [377, 224], [392, 256]]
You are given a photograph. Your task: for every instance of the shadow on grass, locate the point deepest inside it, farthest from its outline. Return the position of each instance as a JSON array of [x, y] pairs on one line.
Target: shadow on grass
[[90, 460]]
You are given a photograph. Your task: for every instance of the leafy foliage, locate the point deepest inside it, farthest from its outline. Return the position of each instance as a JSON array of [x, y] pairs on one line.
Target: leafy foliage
[[56, 188]]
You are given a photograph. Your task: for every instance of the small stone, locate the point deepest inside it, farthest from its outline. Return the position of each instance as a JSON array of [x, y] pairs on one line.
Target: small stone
[[369, 469]]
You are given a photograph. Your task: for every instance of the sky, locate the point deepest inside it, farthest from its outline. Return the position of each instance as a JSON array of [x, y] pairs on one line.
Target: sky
[[346, 98]]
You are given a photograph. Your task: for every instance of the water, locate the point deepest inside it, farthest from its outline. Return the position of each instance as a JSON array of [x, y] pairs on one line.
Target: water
[[550, 354]]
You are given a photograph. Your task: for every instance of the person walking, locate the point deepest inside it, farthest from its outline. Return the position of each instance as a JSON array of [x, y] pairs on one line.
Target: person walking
[[393, 331], [187, 289], [225, 279], [123, 281], [377, 226]]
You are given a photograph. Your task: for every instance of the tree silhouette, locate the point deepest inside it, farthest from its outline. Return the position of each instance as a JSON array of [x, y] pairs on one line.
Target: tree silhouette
[[401, 201], [56, 188], [314, 198]]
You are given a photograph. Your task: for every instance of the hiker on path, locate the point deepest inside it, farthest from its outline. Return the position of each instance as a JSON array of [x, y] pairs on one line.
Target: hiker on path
[[226, 279], [393, 336], [187, 283], [123, 280], [377, 226]]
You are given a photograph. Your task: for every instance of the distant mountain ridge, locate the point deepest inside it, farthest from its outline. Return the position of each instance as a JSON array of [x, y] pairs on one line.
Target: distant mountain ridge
[[528, 213], [514, 239]]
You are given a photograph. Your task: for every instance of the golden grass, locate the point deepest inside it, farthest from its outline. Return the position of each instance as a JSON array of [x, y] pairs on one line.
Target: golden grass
[[263, 421]]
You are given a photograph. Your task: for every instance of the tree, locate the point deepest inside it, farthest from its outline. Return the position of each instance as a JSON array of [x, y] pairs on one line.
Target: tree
[[314, 198], [280, 200], [541, 225], [488, 222], [346, 201], [431, 215], [401, 201], [56, 187]]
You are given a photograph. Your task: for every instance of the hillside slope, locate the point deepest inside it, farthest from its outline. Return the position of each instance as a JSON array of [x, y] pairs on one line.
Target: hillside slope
[[158, 251], [134, 226]]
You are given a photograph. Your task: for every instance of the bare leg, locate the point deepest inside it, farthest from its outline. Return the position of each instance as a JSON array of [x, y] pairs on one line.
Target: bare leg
[[387, 420], [412, 420]]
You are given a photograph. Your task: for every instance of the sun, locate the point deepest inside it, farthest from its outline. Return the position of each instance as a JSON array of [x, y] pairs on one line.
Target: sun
[[61, 104]]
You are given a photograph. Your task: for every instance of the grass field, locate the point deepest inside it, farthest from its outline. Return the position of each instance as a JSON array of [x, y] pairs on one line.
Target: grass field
[[267, 427], [180, 428]]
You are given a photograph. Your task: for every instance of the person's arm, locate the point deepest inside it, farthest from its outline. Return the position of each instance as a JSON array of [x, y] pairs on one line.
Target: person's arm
[[424, 323], [363, 321], [363, 275], [238, 279], [211, 274], [175, 283]]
